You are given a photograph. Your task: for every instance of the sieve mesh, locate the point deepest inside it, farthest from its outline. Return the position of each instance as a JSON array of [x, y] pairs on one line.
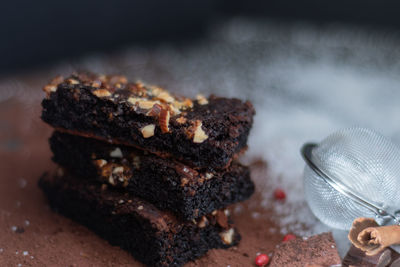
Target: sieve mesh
[[364, 161]]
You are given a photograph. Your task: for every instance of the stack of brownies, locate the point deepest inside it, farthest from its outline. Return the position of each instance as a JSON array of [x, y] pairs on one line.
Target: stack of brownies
[[146, 170]]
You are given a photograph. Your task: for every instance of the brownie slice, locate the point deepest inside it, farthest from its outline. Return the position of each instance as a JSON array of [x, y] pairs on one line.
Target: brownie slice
[[167, 184], [201, 133], [318, 250], [154, 237]]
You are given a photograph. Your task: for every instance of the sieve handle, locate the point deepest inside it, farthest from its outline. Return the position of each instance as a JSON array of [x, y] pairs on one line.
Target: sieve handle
[[387, 217]]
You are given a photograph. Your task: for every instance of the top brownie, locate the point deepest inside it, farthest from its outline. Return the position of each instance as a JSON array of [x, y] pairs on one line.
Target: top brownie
[[206, 132]]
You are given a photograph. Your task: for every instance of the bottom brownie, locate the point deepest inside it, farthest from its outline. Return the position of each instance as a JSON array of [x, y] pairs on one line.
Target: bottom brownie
[[154, 237]]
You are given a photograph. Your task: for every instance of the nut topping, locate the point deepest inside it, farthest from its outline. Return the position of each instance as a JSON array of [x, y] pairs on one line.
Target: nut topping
[[181, 120], [201, 99], [227, 236], [203, 222], [96, 84], [209, 175], [101, 93], [166, 97], [100, 162], [116, 153], [147, 104], [50, 88], [184, 181], [148, 130], [118, 169], [154, 111], [164, 120], [72, 81], [199, 134], [134, 100]]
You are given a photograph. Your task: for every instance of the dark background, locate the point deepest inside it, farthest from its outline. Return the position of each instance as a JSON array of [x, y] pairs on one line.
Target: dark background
[[35, 33]]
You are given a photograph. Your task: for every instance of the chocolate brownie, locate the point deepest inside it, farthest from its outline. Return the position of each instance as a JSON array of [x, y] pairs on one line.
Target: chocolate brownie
[[318, 250], [207, 132], [156, 238], [167, 184]]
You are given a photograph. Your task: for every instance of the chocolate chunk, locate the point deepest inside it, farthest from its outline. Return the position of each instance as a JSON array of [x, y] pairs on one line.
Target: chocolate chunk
[[356, 257]]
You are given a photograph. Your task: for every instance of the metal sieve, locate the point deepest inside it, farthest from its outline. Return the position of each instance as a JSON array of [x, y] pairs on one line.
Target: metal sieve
[[353, 173]]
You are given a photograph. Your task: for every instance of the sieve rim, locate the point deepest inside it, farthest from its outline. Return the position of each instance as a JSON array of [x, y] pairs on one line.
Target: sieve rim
[[306, 152]]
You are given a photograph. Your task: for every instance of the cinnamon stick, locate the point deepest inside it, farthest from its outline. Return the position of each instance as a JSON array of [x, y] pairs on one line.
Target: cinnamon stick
[[368, 236]]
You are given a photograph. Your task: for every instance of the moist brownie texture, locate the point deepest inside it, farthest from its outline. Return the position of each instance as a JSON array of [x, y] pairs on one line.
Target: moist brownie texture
[[167, 184], [157, 238], [206, 132], [318, 250]]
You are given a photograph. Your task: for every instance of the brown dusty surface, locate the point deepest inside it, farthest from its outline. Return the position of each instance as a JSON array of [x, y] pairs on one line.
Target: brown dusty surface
[[43, 238]]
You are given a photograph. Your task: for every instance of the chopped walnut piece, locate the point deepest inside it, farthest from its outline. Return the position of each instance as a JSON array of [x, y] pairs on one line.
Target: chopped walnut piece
[[148, 130], [182, 105], [188, 103], [203, 222], [154, 111], [134, 100], [201, 99], [111, 180], [199, 134], [164, 120], [209, 175], [166, 97], [50, 88], [72, 81], [184, 181], [155, 90], [96, 84], [101, 93], [100, 162], [174, 110], [147, 104], [227, 236], [181, 120], [116, 153], [118, 169]]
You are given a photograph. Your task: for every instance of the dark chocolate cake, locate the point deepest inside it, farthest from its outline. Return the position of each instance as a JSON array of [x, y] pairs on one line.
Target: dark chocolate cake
[[167, 184], [207, 132], [156, 238]]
